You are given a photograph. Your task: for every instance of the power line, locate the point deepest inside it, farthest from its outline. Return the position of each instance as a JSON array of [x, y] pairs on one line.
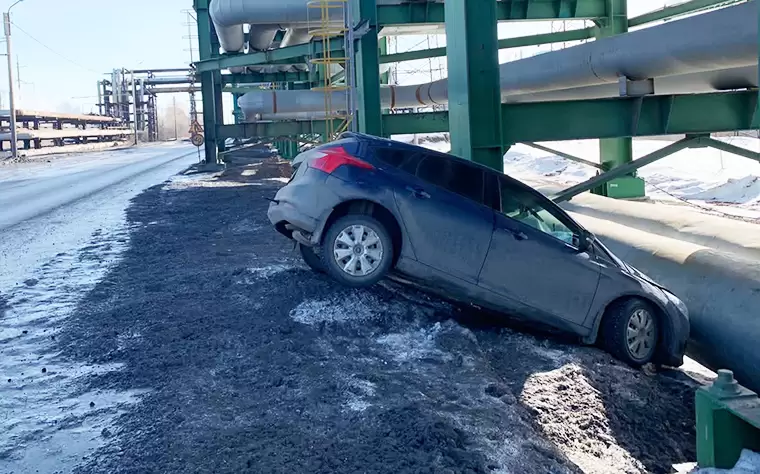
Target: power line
[[52, 50]]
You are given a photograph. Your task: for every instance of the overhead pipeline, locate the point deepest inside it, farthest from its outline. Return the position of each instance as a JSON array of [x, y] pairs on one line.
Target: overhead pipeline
[[707, 52]]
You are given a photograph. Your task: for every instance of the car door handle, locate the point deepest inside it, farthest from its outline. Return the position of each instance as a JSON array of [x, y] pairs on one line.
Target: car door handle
[[517, 234], [418, 193]]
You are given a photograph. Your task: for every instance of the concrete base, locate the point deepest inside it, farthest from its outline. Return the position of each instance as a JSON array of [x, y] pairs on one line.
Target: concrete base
[[627, 187]]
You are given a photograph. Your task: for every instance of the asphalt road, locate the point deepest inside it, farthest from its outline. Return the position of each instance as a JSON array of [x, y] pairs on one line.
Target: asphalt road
[[47, 207], [62, 225]]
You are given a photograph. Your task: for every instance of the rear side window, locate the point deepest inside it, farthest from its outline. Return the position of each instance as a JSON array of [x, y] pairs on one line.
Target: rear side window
[[393, 156], [452, 175]]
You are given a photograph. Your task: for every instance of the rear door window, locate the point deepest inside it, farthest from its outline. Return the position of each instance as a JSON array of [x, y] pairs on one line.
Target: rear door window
[[394, 157], [453, 175]]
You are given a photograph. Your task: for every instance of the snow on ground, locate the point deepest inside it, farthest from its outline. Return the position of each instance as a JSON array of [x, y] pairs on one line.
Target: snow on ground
[[703, 176]]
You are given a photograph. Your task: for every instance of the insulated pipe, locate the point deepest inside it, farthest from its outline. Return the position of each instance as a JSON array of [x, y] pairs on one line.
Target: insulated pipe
[[695, 49], [295, 36], [229, 16], [261, 37], [720, 289]]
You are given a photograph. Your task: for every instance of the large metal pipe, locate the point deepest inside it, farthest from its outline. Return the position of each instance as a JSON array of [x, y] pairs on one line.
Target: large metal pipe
[[721, 290], [229, 16], [707, 52]]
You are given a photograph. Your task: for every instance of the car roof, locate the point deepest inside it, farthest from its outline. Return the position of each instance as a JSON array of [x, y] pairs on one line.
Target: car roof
[[409, 146]]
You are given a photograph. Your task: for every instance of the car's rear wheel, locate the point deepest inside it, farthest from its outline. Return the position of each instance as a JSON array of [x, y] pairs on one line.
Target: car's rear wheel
[[357, 250], [630, 331], [311, 258]]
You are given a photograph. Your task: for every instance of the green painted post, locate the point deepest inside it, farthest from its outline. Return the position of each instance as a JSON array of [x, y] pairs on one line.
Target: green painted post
[[367, 58], [728, 420], [207, 81], [474, 94], [615, 152]]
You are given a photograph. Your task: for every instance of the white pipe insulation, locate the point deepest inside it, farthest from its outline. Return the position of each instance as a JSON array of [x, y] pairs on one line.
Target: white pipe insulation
[[707, 52], [229, 16]]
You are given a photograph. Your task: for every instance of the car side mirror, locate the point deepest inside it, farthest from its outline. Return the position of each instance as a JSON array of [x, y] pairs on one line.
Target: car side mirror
[[585, 241]]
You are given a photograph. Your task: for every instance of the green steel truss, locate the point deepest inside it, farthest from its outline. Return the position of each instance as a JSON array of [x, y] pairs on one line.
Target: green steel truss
[[481, 128], [506, 10], [566, 120]]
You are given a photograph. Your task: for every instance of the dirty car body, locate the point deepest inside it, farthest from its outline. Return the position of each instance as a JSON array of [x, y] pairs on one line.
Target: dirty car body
[[473, 235]]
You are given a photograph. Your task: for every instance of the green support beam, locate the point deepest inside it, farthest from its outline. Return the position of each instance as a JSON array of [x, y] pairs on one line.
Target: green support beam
[[207, 81], [628, 117], [274, 129], [474, 94], [706, 141], [281, 55], [265, 78], [615, 152], [677, 10], [367, 61], [506, 10], [564, 155], [518, 42], [688, 114], [620, 171]]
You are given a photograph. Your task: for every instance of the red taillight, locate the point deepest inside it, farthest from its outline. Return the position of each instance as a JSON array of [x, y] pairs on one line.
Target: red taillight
[[333, 158]]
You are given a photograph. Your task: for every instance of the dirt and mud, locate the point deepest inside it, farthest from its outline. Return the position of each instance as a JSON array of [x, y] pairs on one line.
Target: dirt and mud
[[235, 358]]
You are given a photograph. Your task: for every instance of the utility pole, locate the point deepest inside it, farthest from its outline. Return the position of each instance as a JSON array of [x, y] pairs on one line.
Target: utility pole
[[11, 92]]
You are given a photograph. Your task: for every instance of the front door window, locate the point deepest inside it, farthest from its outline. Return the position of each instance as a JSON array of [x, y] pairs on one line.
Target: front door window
[[532, 210]]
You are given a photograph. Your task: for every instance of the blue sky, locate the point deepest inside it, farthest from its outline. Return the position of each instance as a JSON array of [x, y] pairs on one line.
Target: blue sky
[[92, 37], [95, 37]]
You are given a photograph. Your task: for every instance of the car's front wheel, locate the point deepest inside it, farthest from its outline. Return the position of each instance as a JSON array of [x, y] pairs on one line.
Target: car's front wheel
[[630, 331], [357, 250]]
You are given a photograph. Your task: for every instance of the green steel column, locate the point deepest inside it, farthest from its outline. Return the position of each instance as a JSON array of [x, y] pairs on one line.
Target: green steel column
[[474, 94], [617, 151], [367, 58], [207, 81]]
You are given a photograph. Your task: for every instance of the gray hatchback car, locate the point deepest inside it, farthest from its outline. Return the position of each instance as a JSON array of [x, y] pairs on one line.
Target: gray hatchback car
[[362, 207]]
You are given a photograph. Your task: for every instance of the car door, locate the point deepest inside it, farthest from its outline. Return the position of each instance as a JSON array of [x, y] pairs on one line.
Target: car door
[[441, 204], [534, 259]]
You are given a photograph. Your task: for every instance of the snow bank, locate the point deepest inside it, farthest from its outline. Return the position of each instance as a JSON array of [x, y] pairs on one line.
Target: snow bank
[[748, 463]]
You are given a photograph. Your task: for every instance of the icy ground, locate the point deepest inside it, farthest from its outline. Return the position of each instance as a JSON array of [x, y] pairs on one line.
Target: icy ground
[[212, 348], [705, 177], [62, 227]]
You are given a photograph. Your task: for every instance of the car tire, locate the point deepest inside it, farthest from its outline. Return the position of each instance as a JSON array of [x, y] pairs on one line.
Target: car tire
[[631, 331], [371, 254], [311, 258]]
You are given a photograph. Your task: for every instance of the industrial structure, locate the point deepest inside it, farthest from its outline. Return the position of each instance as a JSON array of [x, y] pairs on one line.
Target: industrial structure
[[58, 129], [132, 95], [660, 80]]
